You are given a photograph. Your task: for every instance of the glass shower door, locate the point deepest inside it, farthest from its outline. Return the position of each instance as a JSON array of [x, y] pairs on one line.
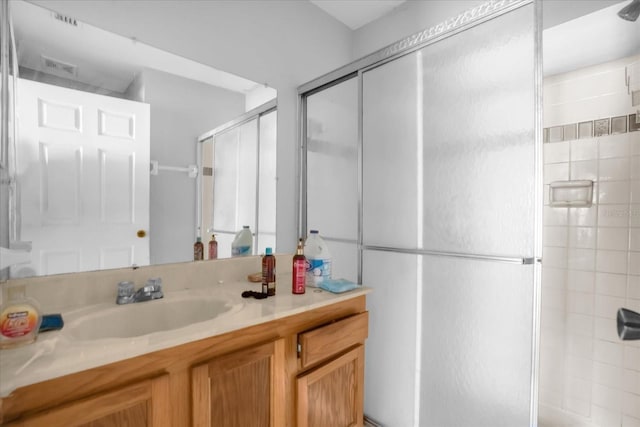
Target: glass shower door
[[448, 220], [266, 232], [332, 172], [235, 165]]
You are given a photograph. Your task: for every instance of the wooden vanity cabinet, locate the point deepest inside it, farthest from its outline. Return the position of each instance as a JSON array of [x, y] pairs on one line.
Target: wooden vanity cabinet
[[306, 369]]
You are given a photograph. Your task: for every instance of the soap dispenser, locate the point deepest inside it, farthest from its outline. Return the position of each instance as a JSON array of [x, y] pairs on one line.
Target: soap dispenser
[[19, 319]]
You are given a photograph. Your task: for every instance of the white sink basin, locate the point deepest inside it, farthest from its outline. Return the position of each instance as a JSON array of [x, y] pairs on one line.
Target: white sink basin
[[133, 320]]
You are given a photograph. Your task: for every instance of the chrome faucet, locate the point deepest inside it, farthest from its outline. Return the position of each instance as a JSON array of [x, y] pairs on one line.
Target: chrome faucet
[[150, 291]]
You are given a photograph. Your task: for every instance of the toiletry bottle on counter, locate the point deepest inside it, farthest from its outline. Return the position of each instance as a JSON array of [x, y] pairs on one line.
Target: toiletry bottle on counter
[[318, 259], [268, 273], [19, 319], [242, 243], [299, 270], [198, 250], [213, 247]]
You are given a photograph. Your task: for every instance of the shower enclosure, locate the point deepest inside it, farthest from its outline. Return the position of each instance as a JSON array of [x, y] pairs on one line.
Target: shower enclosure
[[238, 186], [421, 170], [589, 377]]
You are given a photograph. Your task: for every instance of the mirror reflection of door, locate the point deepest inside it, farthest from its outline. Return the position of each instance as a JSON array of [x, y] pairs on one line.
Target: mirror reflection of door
[[238, 184], [84, 180], [185, 98]]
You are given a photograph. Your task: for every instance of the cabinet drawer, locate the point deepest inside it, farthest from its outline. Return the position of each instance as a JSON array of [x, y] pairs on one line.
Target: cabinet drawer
[[323, 342]]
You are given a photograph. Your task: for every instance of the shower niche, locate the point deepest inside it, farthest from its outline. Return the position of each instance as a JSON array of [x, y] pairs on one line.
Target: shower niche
[[571, 194]]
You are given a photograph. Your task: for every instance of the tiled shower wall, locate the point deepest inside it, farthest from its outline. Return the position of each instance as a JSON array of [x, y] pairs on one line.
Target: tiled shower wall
[[591, 258]]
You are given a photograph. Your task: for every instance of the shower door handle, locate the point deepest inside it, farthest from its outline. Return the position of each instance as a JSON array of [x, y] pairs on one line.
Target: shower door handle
[[628, 324]]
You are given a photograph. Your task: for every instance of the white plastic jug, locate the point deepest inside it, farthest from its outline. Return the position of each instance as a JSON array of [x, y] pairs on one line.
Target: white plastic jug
[[242, 244], [318, 259]]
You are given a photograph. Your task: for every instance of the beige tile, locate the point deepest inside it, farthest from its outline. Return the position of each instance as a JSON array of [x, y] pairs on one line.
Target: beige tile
[[607, 397], [580, 303], [614, 146], [613, 238], [611, 261], [611, 284], [556, 152], [607, 375], [607, 307], [631, 358], [608, 352], [582, 237], [614, 169], [584, 170], [605, 417], [631, 405], [616, 192], [628, 421]]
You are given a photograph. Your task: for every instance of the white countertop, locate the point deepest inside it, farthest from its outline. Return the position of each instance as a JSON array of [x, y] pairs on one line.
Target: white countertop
[[59, 353]]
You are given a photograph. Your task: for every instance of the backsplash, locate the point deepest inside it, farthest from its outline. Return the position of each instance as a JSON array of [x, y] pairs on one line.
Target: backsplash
[[591, 255]]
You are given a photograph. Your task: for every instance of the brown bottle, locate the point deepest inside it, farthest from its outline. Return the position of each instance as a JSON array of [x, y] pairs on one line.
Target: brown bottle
[[213, 247], [268, 273], [198, 250], [299, 270]]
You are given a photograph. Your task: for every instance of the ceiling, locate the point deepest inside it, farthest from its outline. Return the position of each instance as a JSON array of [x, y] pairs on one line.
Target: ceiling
[[44, 38], [588, 40], [53, 44], [357, 13]]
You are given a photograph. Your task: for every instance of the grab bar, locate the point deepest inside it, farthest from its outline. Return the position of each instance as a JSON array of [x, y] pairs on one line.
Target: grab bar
[[191, 170]]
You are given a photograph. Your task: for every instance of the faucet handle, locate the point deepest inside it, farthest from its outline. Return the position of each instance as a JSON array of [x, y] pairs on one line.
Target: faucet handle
[[155, 282], [126, 289], [153, 288]]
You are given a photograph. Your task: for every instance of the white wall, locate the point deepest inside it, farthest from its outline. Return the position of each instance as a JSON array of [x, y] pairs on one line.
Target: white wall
[[279, 42], [181, 111]]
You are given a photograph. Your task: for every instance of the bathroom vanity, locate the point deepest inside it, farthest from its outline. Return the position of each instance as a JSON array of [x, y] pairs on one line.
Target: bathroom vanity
[[289, 360]]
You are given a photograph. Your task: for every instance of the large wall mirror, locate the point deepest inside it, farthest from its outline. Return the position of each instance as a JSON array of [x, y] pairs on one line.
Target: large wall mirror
[[108, 150]]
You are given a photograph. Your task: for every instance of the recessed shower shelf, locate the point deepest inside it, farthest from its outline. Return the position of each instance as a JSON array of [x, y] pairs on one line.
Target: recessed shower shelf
[[571, 194]]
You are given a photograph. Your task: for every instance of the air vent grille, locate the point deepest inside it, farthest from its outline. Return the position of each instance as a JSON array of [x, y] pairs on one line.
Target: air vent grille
[[59, 68], [66, 19]]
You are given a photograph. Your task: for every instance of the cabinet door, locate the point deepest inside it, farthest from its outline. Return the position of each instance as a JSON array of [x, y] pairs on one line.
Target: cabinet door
[[244, 388], [145, 403], [332, 394]]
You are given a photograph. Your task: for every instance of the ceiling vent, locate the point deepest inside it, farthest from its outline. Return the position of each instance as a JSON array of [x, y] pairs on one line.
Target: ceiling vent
[[66, 19], [58, 68]]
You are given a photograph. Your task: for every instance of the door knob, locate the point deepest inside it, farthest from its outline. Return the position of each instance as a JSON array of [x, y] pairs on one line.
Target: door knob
[[628, 324]]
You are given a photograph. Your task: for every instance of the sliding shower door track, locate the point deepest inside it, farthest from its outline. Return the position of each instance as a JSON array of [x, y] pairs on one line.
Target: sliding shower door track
[[502, 259]]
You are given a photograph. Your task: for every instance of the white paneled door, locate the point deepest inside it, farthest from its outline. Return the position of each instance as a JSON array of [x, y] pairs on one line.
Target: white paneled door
[[83, 180]]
